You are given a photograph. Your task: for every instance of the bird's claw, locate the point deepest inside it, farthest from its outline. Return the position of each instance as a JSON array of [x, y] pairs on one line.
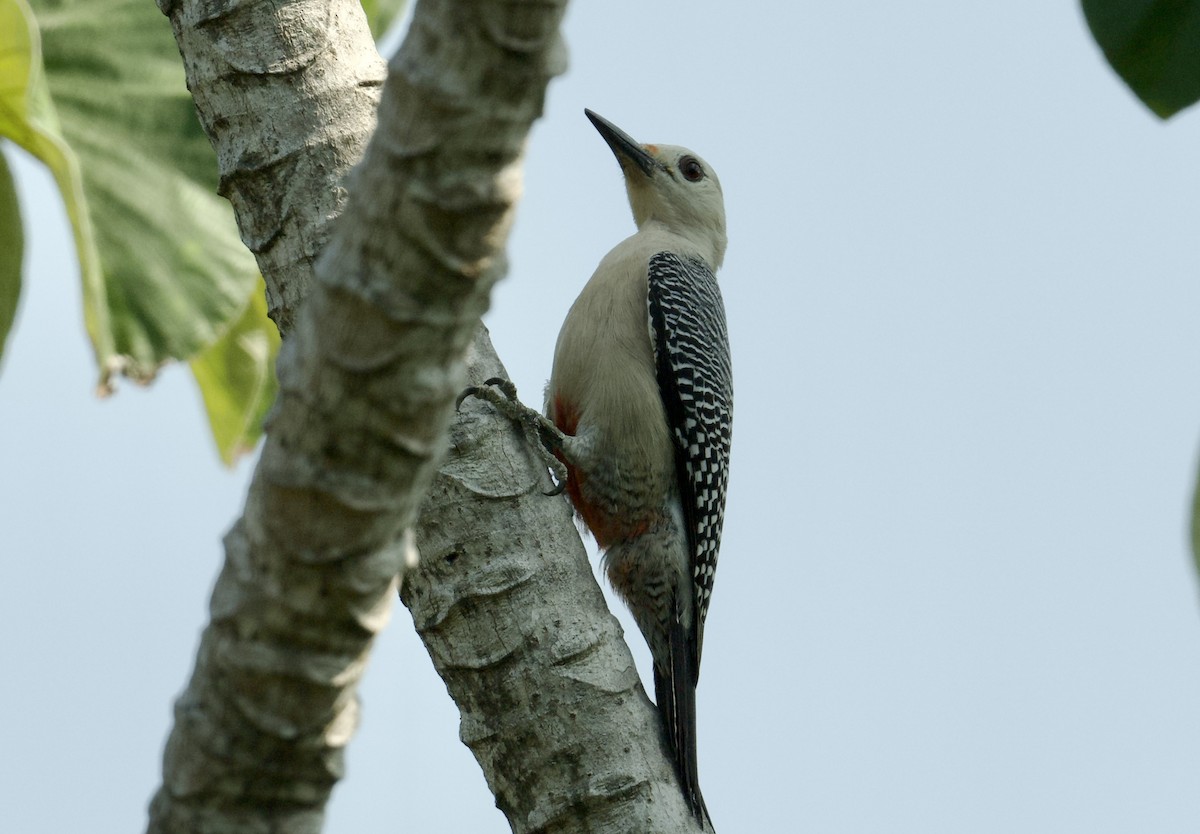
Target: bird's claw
[[506, 386], [466, 392], [507, 391], [540, 433]]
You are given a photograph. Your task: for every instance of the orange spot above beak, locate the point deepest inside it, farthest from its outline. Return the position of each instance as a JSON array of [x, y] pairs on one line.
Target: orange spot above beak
[[651, 149]]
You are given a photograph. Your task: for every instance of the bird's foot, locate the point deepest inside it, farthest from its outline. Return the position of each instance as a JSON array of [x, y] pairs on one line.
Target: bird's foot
[[541, 435]]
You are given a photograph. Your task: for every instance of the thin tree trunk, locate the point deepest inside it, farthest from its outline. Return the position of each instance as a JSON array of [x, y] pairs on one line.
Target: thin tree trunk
[[368, 374]]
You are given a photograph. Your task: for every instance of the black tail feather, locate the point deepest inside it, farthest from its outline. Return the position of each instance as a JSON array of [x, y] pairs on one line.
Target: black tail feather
[[675, 693]]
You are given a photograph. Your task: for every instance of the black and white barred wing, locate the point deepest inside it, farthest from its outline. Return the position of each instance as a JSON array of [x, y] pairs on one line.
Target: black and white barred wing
[[691, 352]]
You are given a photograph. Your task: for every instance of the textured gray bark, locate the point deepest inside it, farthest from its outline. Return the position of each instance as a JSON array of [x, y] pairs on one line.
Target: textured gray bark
[[368, 373], [506, 603], [287, 93]]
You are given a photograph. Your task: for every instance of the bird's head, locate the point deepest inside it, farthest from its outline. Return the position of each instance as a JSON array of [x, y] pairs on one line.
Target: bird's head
[[672, 186]]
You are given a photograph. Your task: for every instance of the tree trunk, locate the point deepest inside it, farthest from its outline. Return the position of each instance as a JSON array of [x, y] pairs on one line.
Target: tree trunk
[[369, 370]]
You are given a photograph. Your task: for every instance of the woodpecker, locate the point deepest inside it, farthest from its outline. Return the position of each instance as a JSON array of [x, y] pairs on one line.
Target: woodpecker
[[640, 413]]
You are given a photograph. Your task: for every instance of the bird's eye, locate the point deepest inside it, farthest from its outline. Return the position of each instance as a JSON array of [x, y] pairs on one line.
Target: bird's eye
[[691, 169]]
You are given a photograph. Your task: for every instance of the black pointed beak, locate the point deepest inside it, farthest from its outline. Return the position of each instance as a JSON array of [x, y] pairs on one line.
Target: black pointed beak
[[622, 144]]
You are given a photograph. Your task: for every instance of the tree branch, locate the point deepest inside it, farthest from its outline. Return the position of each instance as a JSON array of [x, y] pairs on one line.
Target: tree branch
[[368, 374], [373, 359], [507, 605], [287, 93]]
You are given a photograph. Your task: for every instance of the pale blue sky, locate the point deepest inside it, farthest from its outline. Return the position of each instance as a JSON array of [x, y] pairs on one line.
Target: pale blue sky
[[954, 592]]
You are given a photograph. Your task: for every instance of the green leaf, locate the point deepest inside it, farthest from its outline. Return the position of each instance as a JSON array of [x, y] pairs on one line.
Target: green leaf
[[381, 14], [236, 376], [27, 117], [164, 272], [1154, 45], [12, 245]]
